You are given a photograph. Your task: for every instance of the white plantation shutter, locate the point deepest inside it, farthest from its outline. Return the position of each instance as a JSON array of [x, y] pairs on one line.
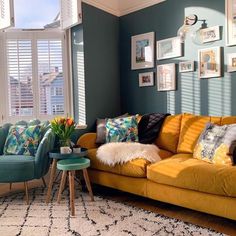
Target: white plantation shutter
[[50, 76], [70, 13], [81, 89], [20, 87], [6, 14]]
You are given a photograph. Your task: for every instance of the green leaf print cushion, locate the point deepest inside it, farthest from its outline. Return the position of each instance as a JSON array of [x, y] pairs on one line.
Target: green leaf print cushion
[[122, 129], [22, 140]]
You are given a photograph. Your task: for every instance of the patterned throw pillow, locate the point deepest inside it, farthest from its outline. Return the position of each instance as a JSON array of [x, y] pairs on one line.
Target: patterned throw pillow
[[216, 144], [22, 140], [122, 129]]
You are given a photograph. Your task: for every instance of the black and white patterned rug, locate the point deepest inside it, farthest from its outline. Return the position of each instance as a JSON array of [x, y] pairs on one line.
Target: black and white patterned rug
[[101, 217]]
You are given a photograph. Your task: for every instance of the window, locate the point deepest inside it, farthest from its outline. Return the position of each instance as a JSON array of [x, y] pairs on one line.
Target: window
[[6, 14], [35, 81]]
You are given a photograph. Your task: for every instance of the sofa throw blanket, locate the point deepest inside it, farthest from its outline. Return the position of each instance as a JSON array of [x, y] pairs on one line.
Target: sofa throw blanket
[[120, 153], [149, 127]]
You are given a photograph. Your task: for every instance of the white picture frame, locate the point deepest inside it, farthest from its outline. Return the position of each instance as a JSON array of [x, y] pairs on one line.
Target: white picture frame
[[146, 79], [186, 66], [166, 77], [231, 62], [142, 51], [230, 15], [209, 62], [169, 48], [210, 34]]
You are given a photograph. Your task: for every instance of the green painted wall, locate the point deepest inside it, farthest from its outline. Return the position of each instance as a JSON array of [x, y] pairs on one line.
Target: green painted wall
[[100, 32], [201, 96]]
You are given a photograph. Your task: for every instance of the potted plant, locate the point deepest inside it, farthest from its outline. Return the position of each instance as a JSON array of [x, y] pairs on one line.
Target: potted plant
[[63, 128]]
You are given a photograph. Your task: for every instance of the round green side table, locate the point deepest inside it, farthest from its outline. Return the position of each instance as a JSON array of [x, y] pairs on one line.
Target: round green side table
[[71, 165]]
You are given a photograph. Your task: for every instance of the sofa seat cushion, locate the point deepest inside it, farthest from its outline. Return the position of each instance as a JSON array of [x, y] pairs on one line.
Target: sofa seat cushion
[[186, 172], [16, 168], [134, 168]]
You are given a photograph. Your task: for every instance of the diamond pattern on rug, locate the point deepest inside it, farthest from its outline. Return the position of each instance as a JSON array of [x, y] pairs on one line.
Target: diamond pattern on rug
[[101, 217]]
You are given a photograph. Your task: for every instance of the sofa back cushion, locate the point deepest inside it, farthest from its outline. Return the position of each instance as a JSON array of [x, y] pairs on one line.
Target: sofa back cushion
[[191, 128], [228, 120], [169, 134]]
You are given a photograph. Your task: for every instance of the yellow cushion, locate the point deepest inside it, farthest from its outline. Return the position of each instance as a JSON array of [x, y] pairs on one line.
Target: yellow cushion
[[164, 154], [189, 173], [135, 168], [169, 133], [228, 120], [191, 128]]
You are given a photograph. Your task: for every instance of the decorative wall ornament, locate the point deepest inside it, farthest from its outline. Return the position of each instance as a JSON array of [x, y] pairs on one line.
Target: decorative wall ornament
[[166, 77], [146, 79], [231, 65], [230, 13], [186, 66], [209, 62], [142, 51]]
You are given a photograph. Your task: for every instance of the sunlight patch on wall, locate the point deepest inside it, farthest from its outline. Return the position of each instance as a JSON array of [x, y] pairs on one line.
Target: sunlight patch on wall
[[190, 93], [219, 97], [171, 102]]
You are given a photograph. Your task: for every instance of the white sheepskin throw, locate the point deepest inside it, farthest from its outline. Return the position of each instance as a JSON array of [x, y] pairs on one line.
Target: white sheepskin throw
[[120, 153]]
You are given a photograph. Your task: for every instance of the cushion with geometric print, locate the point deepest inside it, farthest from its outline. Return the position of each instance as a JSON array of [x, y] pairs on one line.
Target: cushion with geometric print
[[216, 144], [122, 129], [23, 140]]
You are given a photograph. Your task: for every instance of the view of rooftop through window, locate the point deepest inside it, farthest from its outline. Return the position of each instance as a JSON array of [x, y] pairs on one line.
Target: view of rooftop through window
[[33, 14]]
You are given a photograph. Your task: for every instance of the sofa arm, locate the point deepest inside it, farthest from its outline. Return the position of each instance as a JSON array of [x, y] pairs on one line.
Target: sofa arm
[[88, 141], [42, 161]]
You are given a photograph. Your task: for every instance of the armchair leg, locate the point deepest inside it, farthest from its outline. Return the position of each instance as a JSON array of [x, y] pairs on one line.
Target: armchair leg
[[44, 182], [26, 192]]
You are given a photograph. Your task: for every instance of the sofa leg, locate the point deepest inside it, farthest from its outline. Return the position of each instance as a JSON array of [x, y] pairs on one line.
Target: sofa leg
[[10, 186], [44, 182], [26, 192]]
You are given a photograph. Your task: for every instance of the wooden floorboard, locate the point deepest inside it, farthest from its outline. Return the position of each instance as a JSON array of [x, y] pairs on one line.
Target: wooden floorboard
[[205, 220]]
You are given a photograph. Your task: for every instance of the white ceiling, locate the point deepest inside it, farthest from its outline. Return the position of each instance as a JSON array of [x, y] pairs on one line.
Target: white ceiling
[[122, 7]]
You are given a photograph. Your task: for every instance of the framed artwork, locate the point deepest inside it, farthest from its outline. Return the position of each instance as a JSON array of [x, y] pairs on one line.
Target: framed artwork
[[166, 77], [186, 66], [231, 65], [210, 34], [209, 62], [146, 79], [230, 13], [169, 48], [142, 51]]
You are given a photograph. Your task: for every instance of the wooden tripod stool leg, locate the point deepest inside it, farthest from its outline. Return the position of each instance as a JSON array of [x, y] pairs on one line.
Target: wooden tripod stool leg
[[52, 174], [87, 181], [44, 182], [10, 186], [62, 185], [26, 192], [72, 192]]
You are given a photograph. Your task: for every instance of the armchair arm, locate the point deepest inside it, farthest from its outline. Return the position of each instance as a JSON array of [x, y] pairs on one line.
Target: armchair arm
[[42, 161], [88, 141]]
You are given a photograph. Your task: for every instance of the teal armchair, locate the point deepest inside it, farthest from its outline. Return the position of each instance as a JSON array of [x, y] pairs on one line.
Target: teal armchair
[[20, 168]]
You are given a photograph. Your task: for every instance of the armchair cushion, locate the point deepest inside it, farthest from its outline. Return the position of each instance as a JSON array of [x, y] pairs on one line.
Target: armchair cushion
[[16, 168], [22, 140]]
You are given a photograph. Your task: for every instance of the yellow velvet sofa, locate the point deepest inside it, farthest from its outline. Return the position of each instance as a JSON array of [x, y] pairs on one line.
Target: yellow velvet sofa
[[178, 178]]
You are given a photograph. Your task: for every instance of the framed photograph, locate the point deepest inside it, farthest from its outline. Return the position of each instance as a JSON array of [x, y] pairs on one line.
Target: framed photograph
[[186, 66], [231, 65], [210, 34], [169, 48], [209, 62], [166, 77], [146, 79], [230, 14], [142, 51]]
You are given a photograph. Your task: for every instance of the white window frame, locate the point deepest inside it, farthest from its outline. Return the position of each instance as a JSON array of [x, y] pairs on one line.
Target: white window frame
[[34, 35]]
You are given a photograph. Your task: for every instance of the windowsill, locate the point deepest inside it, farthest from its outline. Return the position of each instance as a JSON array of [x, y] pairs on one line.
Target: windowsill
[[81, 126]]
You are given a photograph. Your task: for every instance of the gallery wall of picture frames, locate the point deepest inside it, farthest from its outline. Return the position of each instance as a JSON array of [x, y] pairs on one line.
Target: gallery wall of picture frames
[[209, 59]]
